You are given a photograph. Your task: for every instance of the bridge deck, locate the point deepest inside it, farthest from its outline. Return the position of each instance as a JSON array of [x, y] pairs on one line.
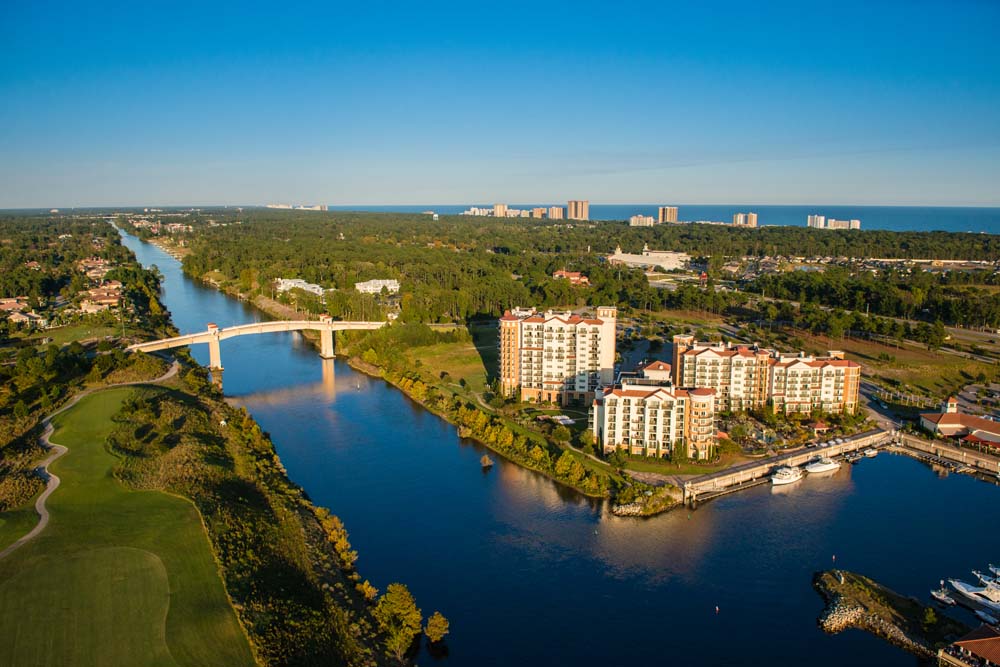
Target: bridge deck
[[270, 326]]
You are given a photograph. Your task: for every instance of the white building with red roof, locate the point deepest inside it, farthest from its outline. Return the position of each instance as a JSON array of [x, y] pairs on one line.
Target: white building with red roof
[[950, 423], [747, 377], [574, 277], [556, 357], [647, 416]]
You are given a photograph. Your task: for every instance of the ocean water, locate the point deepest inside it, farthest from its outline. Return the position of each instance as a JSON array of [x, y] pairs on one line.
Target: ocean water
[[893, 218]]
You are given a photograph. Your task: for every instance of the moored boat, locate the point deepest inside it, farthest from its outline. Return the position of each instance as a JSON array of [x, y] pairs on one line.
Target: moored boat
[[984, 579], [988, 596], [822, 464], [786, 475], [941, 595], [871, 452]]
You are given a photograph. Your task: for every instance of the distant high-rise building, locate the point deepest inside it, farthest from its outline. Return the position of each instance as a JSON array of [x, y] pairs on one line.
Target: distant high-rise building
[[843, 224], [640, 220], [667, 214], [579, 209], [538, 212], [555, 213], [499, 210], [745, 220], [817, 221]]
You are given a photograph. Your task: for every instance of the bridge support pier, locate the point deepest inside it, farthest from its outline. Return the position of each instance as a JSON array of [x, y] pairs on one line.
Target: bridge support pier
[[214, 355], [326, 344]]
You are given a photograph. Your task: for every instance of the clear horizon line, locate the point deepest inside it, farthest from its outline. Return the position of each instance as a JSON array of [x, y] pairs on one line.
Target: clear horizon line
[[473, 203]]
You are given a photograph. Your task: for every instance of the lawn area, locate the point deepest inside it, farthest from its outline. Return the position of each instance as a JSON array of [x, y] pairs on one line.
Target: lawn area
[[118, 577], [669, 468], [472, 362], [15, 523], [936, 373], [68, 334]]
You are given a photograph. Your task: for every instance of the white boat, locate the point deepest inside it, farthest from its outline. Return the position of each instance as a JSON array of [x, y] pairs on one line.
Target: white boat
[[986, 618], [822, 464], [984, 579], [941, 595], [994, 569], [871, 452], [988, 596], [786, 475]]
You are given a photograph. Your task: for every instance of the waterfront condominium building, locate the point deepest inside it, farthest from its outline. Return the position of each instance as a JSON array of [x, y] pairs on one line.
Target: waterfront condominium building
[[647, 416], [816, 221], [667, 214], [556, 357], [555, 213], [538, 212], [747, 377], [578, 209], [745, 220], [499, 210]]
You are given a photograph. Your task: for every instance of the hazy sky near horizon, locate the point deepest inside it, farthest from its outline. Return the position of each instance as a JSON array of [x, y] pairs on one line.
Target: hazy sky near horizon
[[134, 103]]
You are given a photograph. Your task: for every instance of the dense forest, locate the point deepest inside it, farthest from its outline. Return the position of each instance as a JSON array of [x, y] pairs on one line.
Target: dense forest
[[459, 268], [955, 297]]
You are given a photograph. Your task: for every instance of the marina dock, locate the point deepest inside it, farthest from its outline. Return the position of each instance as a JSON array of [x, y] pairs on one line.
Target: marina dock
[[755, 473], [759, 472]]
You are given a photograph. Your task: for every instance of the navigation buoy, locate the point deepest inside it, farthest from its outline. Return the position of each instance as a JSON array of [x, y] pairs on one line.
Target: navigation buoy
[[834, 558], [716, 609]]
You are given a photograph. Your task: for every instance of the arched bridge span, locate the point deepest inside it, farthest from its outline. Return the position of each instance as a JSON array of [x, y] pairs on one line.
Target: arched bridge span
[[213, 335]]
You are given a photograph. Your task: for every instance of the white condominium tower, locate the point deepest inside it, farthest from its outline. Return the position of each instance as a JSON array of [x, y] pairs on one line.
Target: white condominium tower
[[647, 416], [747, 377], [556, 357]]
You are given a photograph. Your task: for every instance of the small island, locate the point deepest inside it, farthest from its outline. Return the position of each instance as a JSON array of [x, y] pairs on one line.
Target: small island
[[855, 601]]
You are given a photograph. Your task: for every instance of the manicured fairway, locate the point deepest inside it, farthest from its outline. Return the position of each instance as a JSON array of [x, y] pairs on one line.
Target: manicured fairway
[[119, 577], [16, 522]]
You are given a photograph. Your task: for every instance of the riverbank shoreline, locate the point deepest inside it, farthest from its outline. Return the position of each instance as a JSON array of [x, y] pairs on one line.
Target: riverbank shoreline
[[660, 500]]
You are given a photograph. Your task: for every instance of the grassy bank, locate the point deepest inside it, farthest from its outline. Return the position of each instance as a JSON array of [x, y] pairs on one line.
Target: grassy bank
[[287, 565], [119, 576]]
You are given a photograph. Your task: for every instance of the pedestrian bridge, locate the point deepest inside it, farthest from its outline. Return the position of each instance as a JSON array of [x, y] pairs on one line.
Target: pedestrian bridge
[[213, 335]]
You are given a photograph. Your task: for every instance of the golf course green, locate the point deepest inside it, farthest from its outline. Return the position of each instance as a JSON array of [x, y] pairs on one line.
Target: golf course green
[[118, 577]]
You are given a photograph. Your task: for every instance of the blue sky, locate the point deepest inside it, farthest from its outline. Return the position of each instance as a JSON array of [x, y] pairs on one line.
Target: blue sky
[[443, 102]]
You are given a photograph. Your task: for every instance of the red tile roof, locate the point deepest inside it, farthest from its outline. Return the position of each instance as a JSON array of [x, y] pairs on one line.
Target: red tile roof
[[971, 422], [984, 642], [656, 366]]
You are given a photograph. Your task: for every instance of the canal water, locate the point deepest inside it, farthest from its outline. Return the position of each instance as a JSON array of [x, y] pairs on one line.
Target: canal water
[[530, 573]]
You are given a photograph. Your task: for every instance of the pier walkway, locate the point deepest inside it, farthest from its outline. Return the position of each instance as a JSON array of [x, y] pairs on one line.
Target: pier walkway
[[757, 472]]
